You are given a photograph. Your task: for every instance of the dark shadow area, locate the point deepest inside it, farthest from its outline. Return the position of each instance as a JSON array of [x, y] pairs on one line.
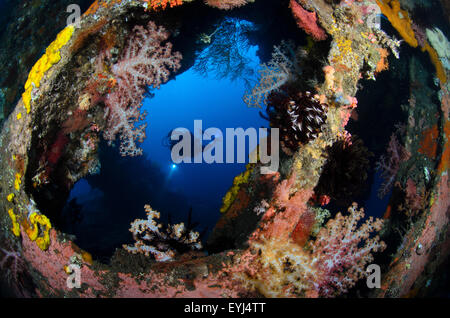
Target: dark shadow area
[[101, 207]]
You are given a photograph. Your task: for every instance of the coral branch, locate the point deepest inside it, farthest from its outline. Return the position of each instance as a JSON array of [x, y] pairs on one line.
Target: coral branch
[[273, 75], [161, 244], [162, 4], [144, 63]]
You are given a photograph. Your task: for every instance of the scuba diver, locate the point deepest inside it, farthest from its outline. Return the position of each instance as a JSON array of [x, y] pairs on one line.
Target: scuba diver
[[169, 143]]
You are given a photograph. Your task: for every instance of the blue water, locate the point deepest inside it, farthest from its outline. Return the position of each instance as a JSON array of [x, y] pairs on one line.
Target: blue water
[[375, 206], [110, 201], [217, 103]]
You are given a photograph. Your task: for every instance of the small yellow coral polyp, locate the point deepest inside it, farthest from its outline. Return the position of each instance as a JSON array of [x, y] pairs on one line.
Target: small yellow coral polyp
[[10, 197], [67, 270], [51, 57], [37, 220], [399, 19], [16, 227], [17, 181]]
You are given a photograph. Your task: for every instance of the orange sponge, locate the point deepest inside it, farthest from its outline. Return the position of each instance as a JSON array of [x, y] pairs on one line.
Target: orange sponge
[[399, 19]]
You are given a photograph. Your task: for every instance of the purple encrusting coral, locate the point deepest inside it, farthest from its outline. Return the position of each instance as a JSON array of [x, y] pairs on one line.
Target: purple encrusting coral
[[16, 264]]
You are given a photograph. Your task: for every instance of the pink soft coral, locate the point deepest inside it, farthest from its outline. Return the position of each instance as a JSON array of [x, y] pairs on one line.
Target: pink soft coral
[[389, 164], [144, 63], [282, 216], [328, 266], [342, 250]]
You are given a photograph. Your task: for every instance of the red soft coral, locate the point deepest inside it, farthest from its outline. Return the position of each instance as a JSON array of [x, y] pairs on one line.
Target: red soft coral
[[307, 21], [415, 200]]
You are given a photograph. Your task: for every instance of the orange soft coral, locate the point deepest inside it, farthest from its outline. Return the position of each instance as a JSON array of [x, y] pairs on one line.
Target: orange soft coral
[[162, 4], [402, 23], [399, 19], [383, 63], [100, 3], [440, 71]]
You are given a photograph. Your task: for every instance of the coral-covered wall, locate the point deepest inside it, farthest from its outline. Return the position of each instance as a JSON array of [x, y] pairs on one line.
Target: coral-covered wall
[[38, 164]]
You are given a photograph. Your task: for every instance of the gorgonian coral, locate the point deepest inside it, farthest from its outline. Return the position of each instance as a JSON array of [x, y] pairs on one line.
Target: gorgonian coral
[[163, 245], [226, 53], [282, 68], [346, 170], [298, 115], [144, 62]]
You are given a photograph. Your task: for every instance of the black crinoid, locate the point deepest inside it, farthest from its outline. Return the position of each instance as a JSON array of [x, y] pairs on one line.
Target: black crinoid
[[298, 115]]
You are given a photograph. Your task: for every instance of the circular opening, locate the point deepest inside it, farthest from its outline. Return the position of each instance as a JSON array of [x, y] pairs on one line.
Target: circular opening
[[92, 172], [220, 65], [195, 101]]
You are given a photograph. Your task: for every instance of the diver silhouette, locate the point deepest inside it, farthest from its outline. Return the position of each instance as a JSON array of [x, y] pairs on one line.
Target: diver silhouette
[[169, 143]]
